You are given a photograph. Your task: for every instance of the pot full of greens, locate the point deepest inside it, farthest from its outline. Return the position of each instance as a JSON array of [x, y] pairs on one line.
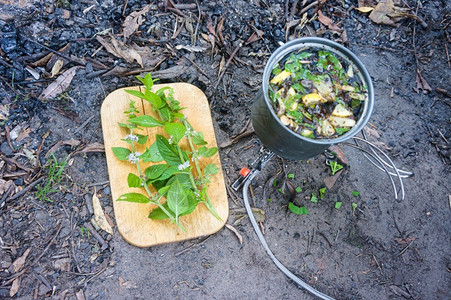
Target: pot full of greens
[[315, 93]]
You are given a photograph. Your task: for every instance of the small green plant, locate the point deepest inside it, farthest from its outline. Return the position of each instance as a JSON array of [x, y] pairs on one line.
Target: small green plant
[[354, 207], [290, 175], [335, 167], [313, 198], [338, 204], [298, 210], [83, 230], [274, 182], [355, 193], [54, 173], [298, 189], [269, 200], [173, 177], [322, 192]]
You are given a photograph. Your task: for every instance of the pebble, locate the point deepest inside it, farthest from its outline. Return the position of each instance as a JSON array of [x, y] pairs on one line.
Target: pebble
[[4, 147], [19, 181], [107, 190]]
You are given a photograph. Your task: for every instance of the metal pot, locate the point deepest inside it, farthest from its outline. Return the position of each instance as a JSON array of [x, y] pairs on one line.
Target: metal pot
[[279, 138]]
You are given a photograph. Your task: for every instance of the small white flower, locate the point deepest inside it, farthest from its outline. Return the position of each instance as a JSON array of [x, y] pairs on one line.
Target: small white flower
[[133, 157], [170, 139], [196, 194], [131, 137], [184, 166]]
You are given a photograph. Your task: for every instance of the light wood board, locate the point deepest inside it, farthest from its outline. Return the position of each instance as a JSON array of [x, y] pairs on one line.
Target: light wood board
[[132, 218]]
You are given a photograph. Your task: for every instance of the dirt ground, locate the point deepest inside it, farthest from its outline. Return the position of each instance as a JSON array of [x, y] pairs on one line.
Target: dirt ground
[[381, 249]]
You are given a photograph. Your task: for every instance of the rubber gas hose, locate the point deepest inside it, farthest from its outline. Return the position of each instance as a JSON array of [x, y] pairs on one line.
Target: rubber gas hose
[[265, 245]]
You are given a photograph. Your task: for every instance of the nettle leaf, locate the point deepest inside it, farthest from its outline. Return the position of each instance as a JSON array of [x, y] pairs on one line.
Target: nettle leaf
[[159, 214], [151, 154], [134, 197], [207, 152], [183, 179], [177, 199], [142, 139], [136, 93], [145, 121], [146, 80], [177, 130], [155, 171], [168, 173], [133, 180], [297, 210], [198, 139], [210, 169], [121, 153], [167, 151], [154, 99]]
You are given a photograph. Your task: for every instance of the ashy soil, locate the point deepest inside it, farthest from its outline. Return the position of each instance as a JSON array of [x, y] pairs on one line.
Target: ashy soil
[[380, 249]]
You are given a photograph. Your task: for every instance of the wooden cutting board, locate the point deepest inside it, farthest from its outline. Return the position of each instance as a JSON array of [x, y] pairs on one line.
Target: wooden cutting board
[[132, 218]]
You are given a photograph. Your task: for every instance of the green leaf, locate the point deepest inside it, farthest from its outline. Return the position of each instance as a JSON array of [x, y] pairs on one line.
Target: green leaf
[[136, 93], [167, 151], [298, 189], [290, 175], [164, 190], [155, 171], [145, 121], [176, 130], [130, 126], [314, 199], [160, 92], [183, 179], [134, 197], [210, 169], [146, 80], [322, 192], [274, 182], [154, 99], [121, 153], [133, 180], [198, 139], [354, 206], [166, 114], [338, 204], [142, 139], [207, 152], [151, 154], [340, 131], [168, 173], [297, 210], [355, 193], [158, 213], [177, 199]]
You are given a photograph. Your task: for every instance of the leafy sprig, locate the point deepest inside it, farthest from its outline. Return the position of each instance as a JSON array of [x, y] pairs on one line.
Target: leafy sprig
[[173, 176]]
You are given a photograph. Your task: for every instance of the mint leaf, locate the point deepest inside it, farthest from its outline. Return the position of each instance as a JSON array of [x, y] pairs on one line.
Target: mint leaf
[[338, 204], [207, 152], [151, 154], [133, 180], [169, 172], [176, 130], [160, 92], [121, 153], [183, 179], [142, 139], [134, 197], [155, 171], [136, 93], [167, 151], [164, 190], [154, 99], [210, 169], [130, 126], [297, 210], [314, 198], [145, 121], [177, 199], [146, 80], [158, 213], [355, 193], [198, 139]]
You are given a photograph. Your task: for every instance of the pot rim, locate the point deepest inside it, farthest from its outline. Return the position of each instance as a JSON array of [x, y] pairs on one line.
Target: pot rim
[[336, 48]]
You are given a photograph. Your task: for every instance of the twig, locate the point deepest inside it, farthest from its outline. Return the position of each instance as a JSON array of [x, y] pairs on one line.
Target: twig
[[447, 55], [377, 263], [96, 235], [7, 193], [125, 7], [377, 47], [58, 229], [98, 183], [227, 64], [404, 250], [54, 51], [175, 9], [192, 245], [84, 124], [308, 7], [8, 138], [25, 190]]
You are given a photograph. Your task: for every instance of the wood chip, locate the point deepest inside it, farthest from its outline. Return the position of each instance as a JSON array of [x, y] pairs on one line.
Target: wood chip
[[15, 287], [99, 215], [20, 262], [60, 84], [133, 21]]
